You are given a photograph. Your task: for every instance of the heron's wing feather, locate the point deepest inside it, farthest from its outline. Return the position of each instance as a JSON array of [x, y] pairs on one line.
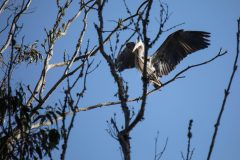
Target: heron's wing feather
[[176, 47], [125, 59]]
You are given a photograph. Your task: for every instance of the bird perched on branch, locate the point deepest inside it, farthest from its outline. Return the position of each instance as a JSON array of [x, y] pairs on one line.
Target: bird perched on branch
[[176, 47]]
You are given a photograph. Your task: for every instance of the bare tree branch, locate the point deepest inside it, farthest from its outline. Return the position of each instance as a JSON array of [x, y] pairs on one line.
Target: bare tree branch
[[145, 23], [123, 136], [226, 93]]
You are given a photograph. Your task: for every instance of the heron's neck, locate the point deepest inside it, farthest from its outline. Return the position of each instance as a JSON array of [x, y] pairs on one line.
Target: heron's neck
[[141, 52]]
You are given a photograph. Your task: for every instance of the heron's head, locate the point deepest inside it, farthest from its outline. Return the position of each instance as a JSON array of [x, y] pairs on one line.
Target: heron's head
[[139, 46], [130, 46]]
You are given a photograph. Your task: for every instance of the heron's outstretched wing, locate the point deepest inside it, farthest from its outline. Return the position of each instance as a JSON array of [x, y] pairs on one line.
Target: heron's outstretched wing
[[176, 47], [125, 59]]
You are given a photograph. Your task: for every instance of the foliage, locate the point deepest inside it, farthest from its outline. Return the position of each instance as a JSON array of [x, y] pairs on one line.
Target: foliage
[[26, 143]]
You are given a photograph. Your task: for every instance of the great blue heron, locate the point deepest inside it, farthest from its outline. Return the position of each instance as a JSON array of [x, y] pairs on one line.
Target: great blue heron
[[176, 47]]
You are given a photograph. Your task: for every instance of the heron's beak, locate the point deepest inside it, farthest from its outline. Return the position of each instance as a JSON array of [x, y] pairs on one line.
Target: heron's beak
[[135, 47]]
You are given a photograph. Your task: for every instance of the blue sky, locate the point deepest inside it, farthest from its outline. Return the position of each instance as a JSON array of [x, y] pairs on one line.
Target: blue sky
[[198, 96]]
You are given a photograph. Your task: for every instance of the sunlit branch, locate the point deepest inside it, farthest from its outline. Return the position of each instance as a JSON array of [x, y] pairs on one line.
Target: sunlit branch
[[3, 6], [14, 26], [52, 36]]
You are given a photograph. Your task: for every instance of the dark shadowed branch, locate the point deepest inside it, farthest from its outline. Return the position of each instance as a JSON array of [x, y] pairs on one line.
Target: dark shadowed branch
[[123, 136], [145, 23], [226, 93]]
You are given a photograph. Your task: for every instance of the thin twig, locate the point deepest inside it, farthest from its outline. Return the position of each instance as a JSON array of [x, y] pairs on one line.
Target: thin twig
[[158, 156]]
